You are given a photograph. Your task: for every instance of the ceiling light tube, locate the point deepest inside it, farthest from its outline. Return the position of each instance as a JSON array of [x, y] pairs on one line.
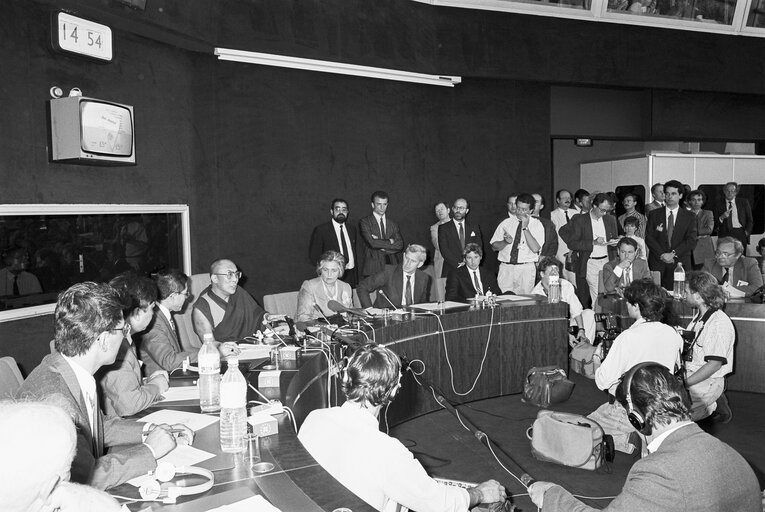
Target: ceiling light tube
[[267, 59]]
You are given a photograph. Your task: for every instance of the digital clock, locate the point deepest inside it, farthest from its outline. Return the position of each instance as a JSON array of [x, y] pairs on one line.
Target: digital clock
[[79, 36]]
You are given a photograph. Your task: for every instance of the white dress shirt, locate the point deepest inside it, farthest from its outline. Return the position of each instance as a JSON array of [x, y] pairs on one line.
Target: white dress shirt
[[598, 230], [88, 387], [509, 226]]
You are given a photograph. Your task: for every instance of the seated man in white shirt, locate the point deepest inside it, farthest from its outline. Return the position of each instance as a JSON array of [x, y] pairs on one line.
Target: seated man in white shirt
[[347, 442]]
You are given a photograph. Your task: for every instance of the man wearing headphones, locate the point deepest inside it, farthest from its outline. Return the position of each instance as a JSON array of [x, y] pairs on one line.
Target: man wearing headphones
[[347, 442], [687, 469]]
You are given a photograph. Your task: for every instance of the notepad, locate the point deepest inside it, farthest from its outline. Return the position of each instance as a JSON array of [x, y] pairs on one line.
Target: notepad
[[180, 393], [192, 420]]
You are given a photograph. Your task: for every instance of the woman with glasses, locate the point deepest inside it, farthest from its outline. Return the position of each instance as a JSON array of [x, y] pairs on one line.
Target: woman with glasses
[[316, 293]]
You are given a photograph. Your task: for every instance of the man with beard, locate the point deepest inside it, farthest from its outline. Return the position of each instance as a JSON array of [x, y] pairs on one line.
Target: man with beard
[[455, 235], [336, 235]]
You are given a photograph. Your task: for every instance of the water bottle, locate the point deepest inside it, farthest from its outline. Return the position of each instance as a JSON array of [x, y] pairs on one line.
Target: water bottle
[[553, 293], [233, 409], [678, 287], [209, 375]]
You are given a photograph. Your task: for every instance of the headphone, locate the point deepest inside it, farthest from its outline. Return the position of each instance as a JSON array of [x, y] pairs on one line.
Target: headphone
[[153, 490], [637, 418]]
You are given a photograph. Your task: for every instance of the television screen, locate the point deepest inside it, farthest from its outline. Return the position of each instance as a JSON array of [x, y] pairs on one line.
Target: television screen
[[107, 128]]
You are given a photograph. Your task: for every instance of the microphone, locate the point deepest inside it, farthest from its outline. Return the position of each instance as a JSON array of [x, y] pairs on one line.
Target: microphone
[[317, 308], [527, 480], [381, 292], [339, 308], [758, 291]]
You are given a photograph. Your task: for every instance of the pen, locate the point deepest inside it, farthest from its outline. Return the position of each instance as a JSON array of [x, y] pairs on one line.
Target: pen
[[172, 430]]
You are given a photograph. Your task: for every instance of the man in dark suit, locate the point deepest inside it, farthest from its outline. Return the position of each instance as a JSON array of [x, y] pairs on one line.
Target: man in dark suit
[[686, 469], [733, 217], [670, 235], [455, 235], [380, 242], [399, 285], [592, 236], [89, 329], [336, 235], [470, 279], [740, 276]]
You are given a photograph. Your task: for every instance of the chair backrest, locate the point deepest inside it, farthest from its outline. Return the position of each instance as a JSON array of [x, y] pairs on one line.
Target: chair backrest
[[440, 289], [357, 303], [281, 303], [183, 321], [10, 377]]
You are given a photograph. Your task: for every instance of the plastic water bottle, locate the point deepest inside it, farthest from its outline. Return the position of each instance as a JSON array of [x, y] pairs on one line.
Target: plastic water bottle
[[678, 287], [553, 293], [233, 412], [209, 375]]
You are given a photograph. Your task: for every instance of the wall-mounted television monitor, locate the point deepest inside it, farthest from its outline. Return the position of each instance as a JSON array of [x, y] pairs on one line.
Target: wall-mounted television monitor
[[90, 131]]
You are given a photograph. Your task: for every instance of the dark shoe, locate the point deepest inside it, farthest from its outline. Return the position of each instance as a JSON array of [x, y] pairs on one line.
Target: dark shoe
[[636, 441], [722, 414]]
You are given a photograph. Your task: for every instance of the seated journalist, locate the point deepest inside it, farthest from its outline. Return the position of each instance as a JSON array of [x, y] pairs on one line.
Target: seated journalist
[[470, 279], [123, 393], [349, 445], [686, 469], [317, 292], [739, 275], [625, 268], [35, 475], [401, 285], [89, 329]]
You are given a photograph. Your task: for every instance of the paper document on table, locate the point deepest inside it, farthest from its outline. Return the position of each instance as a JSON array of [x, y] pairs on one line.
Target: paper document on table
[[180, 393], [249, 351], [380, 312], [192, 420], [436, 306], [509, 298], [255, 504], [182, 455]]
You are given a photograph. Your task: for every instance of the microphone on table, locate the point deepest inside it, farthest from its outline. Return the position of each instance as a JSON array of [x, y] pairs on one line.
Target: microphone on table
[[335, 336], [527, 480], [339, 308], [318, 308], [381, 292]]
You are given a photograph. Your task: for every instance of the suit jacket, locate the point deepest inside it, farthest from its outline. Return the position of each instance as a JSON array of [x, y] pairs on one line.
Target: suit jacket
[[745, 270], [550, 247], [653, 205], [123, 392], [159, 347], [391, 282], [744, 217], [691, 470], [373, 253], [705, 248], [450, 246], [460, 286], [578, 236], [683, 237], [323, 239], [611, 281], [55, 378]]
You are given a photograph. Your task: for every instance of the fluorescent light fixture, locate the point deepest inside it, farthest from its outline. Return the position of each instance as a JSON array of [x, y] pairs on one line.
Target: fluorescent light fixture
[[267, 59]]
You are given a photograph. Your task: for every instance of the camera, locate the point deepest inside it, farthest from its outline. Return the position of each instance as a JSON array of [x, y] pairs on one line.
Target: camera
[[610, 332], [689, 340]]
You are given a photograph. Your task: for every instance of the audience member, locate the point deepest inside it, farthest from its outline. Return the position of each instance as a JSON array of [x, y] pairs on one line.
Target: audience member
[[336, 235], [387, 476], [734, 215], [398, 285], [89, 329], [511, 204], [122, 391], [657, 191], [442, 214], [316, 293], [560, 217], [670, 235], [380, 243], [739, 275], [687, 469], [134, 239], [582, 201], [630, 230], [470, 280], [550, 247], [518, 240], [705, 224], [14, 278], [630, 203], [593, 236], [619, 272], [160, 347], [454, 236], [648, 339]]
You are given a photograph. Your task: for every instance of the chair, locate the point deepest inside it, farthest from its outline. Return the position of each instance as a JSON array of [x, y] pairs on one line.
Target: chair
[[281, 303], [10, 377], [357, 303], [440, 289], [183, 321]]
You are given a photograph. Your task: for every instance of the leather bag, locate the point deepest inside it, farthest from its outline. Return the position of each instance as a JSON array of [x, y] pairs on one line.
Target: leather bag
[[546, 385], [580, 359], [569, 439]]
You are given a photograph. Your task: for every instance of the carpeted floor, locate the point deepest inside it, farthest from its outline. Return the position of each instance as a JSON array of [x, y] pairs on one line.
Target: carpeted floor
[[447, 450]]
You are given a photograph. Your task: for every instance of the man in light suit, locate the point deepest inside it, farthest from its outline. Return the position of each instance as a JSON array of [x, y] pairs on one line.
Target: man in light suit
[[733, 217], [686, 469], [739, 276], [160, 348], [670, 235], [336, 235], [399, 285], [620, 272], [380, 242], [455, 235], [89, 329], [657, 191], [470, 279]]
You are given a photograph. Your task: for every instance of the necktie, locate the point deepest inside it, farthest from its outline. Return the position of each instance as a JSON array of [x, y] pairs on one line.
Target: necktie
[[729, 220], [343, 245], [725, 276], [477, 283], [462, 235], [408, 291], [16, 285], [627, 277], [670, 226], [94, 421], [382, 229], [566, 213], [516, 242]]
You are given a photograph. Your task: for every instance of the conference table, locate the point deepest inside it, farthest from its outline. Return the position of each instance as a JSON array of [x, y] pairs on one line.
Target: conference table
[[464, 353]]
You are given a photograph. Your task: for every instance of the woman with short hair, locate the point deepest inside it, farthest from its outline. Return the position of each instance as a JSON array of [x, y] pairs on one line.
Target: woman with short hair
[[319, 291]]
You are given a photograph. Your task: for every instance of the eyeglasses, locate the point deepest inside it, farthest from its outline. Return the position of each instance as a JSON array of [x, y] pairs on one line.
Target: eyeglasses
[[725, 254], [186, 293], [231, 274], [125, 330], [604, 211]]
